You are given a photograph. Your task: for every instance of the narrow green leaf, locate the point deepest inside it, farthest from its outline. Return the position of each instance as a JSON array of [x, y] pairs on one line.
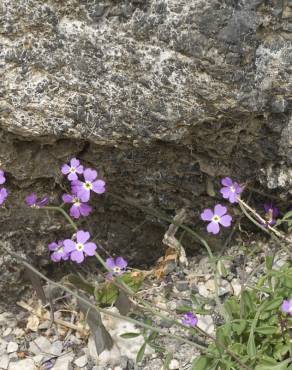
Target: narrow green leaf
[[183, 309], [140, 354], [239, 326], [279, 366], [268, 330], [167, 361], [130, 335], [251, 347], [202, 363], [270, 305], [287, 215]]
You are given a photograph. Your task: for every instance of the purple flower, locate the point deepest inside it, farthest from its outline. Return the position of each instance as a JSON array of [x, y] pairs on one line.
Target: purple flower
[[72, 169], [189, 319], [78, 208], [3, 195], [271, 213], [117, 266], [287, 306], [58, 251], [32, 201], [82, 189], [2, 177], [231, 190], [79, 248], [217, 217]]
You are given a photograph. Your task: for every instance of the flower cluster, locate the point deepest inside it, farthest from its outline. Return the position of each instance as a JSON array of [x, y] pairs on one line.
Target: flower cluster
[[81, 188], [271, 213], [231, 191], [75, 249], [116, 266], [286, 306], [34, 202], [3, 191], [189, 319]]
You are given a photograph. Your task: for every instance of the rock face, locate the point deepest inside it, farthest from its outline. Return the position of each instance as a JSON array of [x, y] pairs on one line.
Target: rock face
[[162, 96]]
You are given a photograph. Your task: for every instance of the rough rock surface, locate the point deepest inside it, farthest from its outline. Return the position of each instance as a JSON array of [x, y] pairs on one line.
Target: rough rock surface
[[163, 96]]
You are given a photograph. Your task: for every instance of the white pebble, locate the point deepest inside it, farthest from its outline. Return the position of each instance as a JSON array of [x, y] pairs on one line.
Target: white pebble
[[12, 347]]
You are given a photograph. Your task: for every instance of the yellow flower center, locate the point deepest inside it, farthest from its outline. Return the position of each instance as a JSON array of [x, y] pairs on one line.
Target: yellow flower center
[[216, 218], [232, 188], [79, 247], [72, 169], [117, 270], [88, 185]]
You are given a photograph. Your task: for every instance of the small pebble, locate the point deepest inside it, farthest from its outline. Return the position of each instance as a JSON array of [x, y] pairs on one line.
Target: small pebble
[[12, 347], [174, 364], [182, 285], [81, 361]]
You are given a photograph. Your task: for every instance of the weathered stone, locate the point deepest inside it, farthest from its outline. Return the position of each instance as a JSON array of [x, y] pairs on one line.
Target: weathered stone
[[162, 96]]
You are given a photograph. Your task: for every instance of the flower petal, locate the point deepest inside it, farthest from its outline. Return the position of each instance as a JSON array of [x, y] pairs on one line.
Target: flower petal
[[79, 169], [53, 246], [74, 162], [225, 220], [31, 199], [110, 262], [98, 186], [82, 236], [89, 174], [213, 227], [90, 248], [69, 245], [121, 263], [67, 198], [77, 256], [220, 210], [207, 215], [75, 211], [225, 192], [56, 257], [85, 209], [65, 169], [227, 182], [72, 176], [3, 195]]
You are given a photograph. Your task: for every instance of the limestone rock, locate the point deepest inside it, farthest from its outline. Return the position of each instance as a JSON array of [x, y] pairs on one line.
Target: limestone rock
[[162, 96]]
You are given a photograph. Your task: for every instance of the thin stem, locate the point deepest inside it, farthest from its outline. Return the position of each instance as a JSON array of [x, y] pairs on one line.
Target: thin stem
[[64, 213], [195, 235], [101, 310], [130, 291]]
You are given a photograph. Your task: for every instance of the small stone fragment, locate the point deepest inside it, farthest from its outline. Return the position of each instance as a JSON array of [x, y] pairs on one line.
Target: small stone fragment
[[174, 364], [12, 347], [56, 348], [26, 364], [182, 285], [4, 361], [64, 362], [81, 361], [40, 345]]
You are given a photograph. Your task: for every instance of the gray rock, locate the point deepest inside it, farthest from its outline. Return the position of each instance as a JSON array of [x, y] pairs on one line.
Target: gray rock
[[81, 361], [56, 348], [40, 345], [160, 96], [4, 361], [64, 362], [26, 364], [12, 347], [182, 285]]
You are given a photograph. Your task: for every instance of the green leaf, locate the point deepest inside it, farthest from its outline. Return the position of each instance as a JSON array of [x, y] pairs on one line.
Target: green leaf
[[80, 283], [107, 294], [232, 307], [130, 335], [239, 326], [251, 347], [287, 215], [279, 366], [270, 305], [183, 309], [140, 354], [248, 299], [268, 330], [221, 269], [167, 361], [202, 363], [269, 262], [134, 281]]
